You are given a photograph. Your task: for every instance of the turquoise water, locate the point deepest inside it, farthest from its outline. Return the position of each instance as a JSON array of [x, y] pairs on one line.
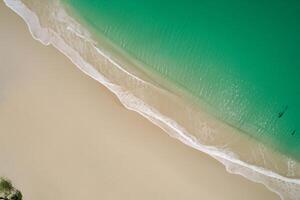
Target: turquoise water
[[241, 58]]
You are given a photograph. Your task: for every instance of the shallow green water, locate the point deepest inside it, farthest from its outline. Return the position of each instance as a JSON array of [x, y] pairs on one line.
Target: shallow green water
[[241, 58]]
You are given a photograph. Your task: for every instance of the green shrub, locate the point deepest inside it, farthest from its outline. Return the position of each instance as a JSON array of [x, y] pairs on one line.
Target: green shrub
[[8, 192]]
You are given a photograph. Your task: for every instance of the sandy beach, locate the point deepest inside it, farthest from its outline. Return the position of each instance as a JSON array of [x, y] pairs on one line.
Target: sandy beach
[[64, 136]]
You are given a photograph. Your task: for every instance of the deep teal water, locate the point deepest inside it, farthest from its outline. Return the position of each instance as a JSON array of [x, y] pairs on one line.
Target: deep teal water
[[240, 57]]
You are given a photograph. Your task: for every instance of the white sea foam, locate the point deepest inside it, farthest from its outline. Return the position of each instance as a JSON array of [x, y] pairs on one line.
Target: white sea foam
[[286, 188]]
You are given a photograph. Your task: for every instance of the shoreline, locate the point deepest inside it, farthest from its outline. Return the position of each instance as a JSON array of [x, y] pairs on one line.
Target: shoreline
[[133, 103], [59, 138]]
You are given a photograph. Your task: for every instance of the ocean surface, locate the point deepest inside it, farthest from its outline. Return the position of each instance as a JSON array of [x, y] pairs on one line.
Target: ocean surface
[[240, 57], [170, 60]]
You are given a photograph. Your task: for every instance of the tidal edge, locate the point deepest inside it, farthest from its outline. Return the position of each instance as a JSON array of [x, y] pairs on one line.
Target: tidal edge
[[286, 188]]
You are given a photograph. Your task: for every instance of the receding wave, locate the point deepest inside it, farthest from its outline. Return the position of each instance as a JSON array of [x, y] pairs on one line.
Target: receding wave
[[50, 24]]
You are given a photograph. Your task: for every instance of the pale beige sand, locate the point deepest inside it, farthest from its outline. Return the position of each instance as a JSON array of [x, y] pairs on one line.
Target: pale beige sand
[[64, 136]]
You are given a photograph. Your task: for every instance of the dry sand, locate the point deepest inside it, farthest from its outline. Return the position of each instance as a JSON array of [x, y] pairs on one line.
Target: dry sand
[[64, 136]]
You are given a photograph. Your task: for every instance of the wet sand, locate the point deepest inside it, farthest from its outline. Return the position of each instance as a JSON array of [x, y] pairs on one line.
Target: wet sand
[[64, 136]]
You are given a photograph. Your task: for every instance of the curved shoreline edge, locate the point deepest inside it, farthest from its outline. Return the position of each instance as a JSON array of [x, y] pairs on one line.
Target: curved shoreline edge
[[286, 188]]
